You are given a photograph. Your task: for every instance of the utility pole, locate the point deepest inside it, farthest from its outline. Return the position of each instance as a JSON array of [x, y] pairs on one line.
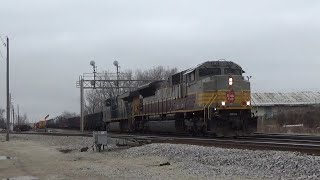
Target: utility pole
[[81, 104], [93, 64], [118, 80], [116, 63], [18, 116], [12, 116], [10, 105], [12, 110], [8, 98]]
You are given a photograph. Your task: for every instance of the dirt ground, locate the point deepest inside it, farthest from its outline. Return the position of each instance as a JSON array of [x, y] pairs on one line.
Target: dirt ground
[[59, 157], [43, 160]]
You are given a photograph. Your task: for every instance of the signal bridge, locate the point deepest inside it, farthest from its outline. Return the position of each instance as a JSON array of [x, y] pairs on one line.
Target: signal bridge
[[105, 81]]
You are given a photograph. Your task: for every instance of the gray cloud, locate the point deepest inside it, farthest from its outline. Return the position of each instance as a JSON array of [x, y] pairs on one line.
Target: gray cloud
[[52, 42]]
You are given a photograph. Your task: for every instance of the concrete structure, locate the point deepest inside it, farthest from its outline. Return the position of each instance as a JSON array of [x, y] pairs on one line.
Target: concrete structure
[[266, 105]]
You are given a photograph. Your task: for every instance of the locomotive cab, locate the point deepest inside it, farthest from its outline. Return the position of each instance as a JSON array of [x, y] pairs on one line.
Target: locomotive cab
[[224, 99]]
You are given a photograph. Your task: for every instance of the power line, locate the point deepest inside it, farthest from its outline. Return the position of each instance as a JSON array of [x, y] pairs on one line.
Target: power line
[[2, 55], [5, 46], [3, 41]]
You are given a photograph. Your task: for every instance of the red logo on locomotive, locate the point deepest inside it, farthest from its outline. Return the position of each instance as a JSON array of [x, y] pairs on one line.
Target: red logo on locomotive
[[231, 96]]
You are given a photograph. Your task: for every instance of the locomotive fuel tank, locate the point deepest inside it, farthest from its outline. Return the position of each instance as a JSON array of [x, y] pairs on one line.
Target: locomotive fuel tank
[[114, 126], [161, 126]]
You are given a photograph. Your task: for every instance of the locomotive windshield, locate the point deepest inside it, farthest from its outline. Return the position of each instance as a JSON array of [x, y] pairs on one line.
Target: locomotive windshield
[[232, 71], [209, 71]]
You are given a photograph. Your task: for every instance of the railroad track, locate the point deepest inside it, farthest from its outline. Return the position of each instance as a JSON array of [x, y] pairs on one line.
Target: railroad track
[[287, 136], [282, 142]]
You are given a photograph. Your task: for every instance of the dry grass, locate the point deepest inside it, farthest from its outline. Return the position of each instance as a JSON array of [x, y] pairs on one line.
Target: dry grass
[[308, 116]]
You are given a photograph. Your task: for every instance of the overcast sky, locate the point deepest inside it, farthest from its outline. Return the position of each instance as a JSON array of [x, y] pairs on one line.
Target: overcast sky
[[52, 42]]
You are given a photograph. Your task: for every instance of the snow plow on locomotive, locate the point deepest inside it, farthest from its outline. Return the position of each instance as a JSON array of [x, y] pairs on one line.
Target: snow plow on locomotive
[[212, 98]]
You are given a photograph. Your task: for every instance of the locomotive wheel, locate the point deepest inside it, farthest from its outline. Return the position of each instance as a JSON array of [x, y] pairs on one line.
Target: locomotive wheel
[[203, 131], [191, 132], [99, 147], [213, 134]]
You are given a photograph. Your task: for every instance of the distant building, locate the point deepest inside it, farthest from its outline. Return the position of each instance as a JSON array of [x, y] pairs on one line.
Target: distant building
[[266, 105]]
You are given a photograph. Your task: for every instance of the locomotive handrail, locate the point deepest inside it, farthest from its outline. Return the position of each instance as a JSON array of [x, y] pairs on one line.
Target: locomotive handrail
[[204, 109], [246, 98], [213, 97], [211, 104]]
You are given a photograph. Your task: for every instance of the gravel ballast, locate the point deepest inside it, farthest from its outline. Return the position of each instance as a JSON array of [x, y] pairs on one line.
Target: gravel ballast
[[211, 161]]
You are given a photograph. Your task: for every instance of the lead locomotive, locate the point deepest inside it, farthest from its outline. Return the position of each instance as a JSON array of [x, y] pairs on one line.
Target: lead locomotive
[[212, 98]]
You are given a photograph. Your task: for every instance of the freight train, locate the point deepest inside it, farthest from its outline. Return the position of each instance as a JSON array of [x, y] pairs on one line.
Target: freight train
[[93, 122], [212, 98]]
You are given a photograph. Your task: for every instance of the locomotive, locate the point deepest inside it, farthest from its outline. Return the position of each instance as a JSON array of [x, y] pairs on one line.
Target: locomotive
[[212, 98]]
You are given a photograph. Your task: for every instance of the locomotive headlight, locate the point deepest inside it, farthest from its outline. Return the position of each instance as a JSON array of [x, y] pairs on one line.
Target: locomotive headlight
[[230, 81], [223, 103], [248, 103]]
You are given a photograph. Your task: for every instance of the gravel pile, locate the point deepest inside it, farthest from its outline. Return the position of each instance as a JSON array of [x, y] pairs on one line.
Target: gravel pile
[[248, 164]]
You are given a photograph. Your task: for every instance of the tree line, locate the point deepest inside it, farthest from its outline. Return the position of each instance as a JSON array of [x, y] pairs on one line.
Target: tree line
[[95, 98], [3, 121]]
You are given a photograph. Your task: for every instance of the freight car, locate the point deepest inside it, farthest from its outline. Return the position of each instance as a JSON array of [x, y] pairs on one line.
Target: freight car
[[68, 123], [211, 98], [36, 125], [63, 123], [52, 123], [91, 122], [73, 123], [94, 122]]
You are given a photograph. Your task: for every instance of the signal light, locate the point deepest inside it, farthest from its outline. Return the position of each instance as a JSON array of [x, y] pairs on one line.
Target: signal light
[[230, 81]]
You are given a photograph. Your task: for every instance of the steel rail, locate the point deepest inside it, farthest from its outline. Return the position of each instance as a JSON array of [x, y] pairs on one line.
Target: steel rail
[[286, 136], [255, 143]]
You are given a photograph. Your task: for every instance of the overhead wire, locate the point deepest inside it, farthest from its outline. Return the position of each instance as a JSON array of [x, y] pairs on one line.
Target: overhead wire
[[0, 50], [3, 41], [2, 55]]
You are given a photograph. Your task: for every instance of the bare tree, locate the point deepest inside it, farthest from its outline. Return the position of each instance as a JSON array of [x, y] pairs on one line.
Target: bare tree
[[111, 87], [23, 120], [67, 114], [94, 101], [96, 97], [155, 73], [2, 120]]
